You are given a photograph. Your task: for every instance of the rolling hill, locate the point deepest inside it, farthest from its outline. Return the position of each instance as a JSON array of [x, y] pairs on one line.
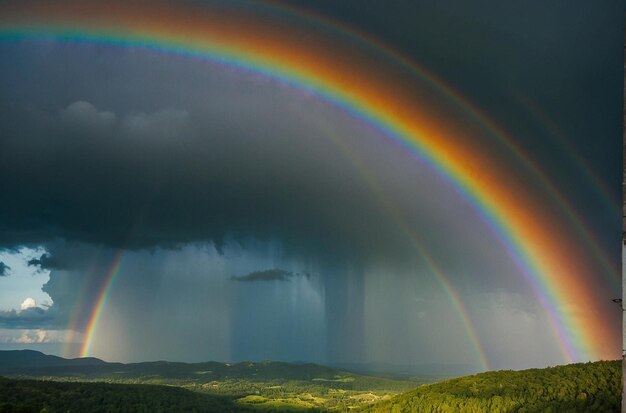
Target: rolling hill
[[24, 360], [32, 364], [260, 385], [77, 385], [38, 396], [588, 387]]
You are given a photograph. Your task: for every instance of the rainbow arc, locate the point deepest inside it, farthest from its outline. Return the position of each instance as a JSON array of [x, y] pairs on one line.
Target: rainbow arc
[[548, 253]]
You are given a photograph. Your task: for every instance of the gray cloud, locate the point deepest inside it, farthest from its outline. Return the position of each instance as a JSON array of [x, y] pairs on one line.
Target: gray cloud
[[223, 154], [30, 318], [84, 114], [4, 269], [94, 176], [47, 262], [269, 275]]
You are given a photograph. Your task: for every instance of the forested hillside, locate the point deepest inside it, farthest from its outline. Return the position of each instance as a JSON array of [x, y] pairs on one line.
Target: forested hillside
[[266, 385], [34, 396], [589, 387], [273, 386]]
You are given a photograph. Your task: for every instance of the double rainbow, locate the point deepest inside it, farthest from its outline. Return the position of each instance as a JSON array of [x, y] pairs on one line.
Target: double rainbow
[[549, 254]]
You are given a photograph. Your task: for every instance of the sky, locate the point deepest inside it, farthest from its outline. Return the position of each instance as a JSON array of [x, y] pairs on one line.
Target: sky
[[162, 201]]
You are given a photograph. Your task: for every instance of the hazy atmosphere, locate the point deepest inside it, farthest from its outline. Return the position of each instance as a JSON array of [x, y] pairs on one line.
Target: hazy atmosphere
[[170, 203]]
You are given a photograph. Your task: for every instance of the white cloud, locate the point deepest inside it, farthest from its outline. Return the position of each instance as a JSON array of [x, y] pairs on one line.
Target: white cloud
[[167, 123], [39, 336], [86, 114], [36, 336], [25, 280], [28, 303]]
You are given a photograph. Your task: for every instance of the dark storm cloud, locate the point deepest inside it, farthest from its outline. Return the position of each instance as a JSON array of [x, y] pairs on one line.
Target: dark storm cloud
[[34, 317], [165, 178], [47, 262], [122, 162], [268, 275], [4, 269], [210, 156]]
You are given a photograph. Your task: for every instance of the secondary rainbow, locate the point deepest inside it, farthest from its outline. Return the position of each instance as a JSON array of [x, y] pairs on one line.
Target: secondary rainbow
[[433, 269], [503, 138], [535, 235]]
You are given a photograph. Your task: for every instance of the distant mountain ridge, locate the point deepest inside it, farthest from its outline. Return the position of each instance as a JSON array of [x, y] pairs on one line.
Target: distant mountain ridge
[[25, 359], [35, 363], [32, 362]]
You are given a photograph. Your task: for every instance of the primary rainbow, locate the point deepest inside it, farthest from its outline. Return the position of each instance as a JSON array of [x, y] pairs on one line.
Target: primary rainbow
[[536, 236], [101, 301]]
